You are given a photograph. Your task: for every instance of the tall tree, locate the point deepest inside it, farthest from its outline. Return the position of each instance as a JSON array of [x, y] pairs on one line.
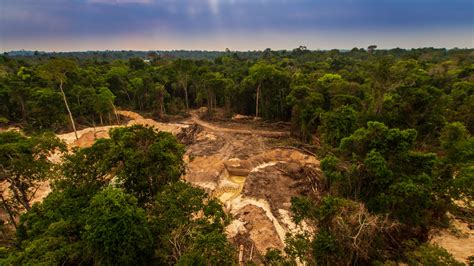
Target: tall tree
[[104, 103], [56, 70], [270, 84], [183, 73]]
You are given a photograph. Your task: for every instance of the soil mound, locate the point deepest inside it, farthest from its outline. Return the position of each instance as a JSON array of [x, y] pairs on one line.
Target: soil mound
[[189, 134]]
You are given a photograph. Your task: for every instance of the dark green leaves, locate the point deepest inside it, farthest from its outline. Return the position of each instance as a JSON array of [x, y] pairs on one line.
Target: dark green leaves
[[116, 231]]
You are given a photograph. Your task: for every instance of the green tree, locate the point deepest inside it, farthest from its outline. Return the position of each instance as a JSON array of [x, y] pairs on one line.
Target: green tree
[[24, 164], [47, 111], [457, 168], [337, 124], [134, 153], [56, 70], [50, 232], [271, 85], [161, 95], [189, 227], [116, 230], [306, 109], [384, 171], [104, 103], [427, 254], [183, 75]]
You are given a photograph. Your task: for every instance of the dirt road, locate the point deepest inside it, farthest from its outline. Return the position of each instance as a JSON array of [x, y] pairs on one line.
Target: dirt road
[[195, 118]]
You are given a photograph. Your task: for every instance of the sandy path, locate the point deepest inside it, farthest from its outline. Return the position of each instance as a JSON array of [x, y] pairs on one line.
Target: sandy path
[[266, 133]]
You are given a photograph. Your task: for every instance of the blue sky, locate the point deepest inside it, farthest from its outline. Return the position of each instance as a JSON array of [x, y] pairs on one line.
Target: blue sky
[[65, 25]]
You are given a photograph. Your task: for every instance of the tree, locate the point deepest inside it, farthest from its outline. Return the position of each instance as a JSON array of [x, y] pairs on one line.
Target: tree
[[24, 164], [141, 161], [104, 103], [338, 124], [271, 85], [116, 230], [456, 170], [347, 233], [86, 219], [329, 86], [381, 83], [56, 70], [216, 90], [427, 254], [372, 48], [137, 87], [136, 63], [189, 227], [384, 171], [46, 110], [117, 80], [50, 232], [306, 109], [134, 152], [161, 94], [462, 101], [183, 73]]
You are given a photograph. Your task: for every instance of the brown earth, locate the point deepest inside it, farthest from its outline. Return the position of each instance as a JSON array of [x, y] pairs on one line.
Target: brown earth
[[457, 240], [254, 181]]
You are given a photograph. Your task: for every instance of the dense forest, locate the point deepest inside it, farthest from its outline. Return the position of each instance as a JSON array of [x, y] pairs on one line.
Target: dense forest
[[114, 55], [393, 130]]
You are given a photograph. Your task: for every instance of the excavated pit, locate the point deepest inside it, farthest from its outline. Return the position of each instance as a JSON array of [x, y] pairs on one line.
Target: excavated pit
[[254, 181]]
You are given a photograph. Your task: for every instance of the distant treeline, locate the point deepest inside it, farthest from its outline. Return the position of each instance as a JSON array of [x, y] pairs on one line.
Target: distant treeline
[[113, 55], [197, 54]]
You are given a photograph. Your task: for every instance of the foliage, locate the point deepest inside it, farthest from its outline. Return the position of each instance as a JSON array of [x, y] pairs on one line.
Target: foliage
[[50, 233], [427, 254], [91, 219], [347, 233], [116, 231], [338, 124], [24, 164], [143, 160], [189, 228], [375, 154]]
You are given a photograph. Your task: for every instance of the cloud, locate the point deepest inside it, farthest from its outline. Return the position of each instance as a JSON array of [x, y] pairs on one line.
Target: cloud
[[29, 21], [214, 6]]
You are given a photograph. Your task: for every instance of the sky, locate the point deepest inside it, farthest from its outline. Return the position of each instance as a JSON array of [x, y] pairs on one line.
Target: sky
[[78, 25]]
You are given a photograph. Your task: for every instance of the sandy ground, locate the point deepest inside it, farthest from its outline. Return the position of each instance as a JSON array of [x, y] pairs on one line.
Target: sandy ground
[[88, 136], [457, 240]]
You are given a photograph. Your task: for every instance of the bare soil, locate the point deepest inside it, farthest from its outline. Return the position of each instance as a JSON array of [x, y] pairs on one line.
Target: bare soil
[[457, 240], [233, 162]]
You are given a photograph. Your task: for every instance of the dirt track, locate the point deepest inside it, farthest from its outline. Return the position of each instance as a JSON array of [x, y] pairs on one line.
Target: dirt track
[[266, 133]]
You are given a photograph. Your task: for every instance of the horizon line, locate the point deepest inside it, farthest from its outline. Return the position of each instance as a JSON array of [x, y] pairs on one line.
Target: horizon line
[[241, 51]]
